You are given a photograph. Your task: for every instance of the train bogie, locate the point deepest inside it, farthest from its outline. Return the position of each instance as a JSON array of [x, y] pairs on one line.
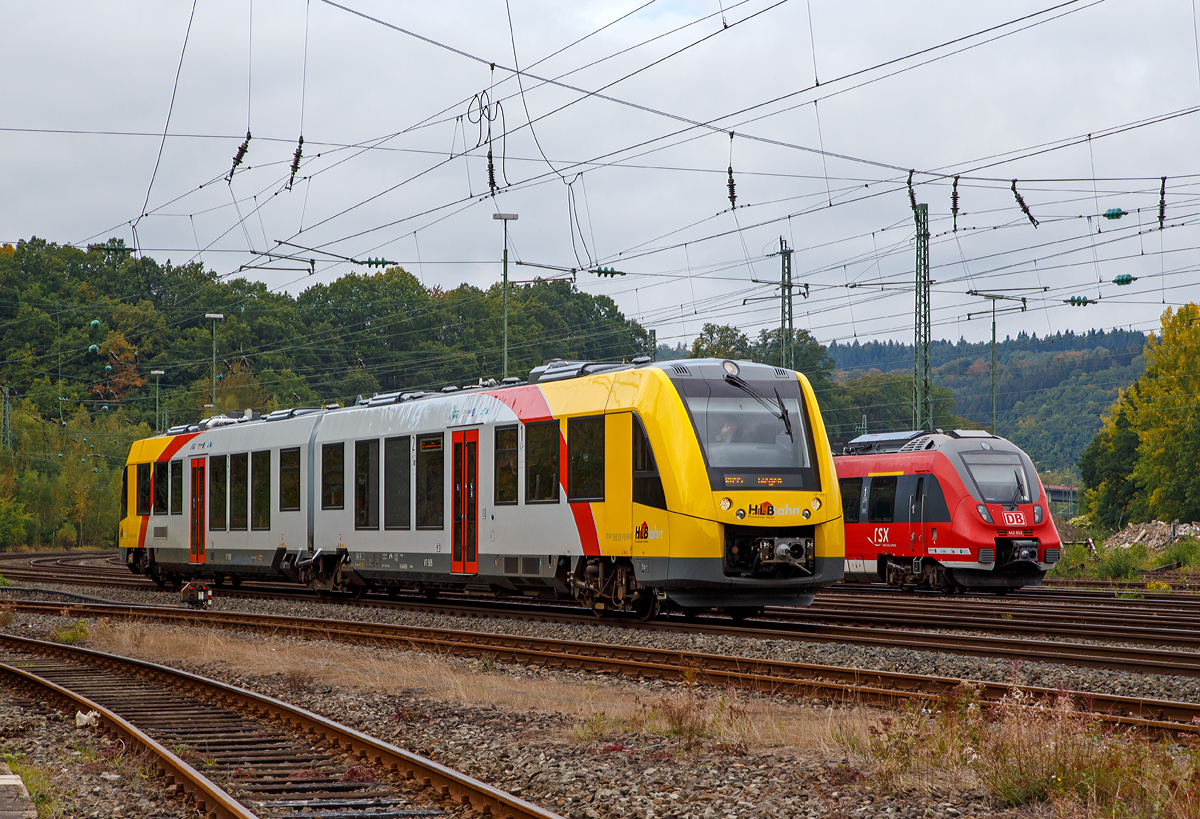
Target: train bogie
[[619, 486], [954, 511]]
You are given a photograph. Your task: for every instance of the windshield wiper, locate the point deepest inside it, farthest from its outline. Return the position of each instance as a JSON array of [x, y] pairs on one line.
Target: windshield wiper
[[779, 411]]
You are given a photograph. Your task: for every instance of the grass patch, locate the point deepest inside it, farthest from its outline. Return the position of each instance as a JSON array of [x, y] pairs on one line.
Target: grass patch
[[1025, 751], [4, 581], [39, 782], [74, 633], [1122, 564], [1185, 550]]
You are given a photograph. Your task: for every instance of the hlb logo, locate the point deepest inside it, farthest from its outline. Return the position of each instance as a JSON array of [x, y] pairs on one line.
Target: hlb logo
[[762, 510], [644, 532], [1014, 518]]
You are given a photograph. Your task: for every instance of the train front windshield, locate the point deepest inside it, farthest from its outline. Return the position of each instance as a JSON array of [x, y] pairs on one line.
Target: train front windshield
[[999, 476], [754, 434]]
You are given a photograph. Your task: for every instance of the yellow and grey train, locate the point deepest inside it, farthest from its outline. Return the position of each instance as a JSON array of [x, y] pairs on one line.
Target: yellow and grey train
[[698, 484]]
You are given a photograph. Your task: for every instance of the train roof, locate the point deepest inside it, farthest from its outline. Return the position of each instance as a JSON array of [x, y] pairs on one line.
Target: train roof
[[554, 370], [911, 441]]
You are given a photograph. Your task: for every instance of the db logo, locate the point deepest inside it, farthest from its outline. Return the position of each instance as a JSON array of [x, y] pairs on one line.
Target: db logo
[[1014, 518]]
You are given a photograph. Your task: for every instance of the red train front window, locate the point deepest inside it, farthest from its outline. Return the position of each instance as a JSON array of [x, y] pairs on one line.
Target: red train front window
[[999, 477]]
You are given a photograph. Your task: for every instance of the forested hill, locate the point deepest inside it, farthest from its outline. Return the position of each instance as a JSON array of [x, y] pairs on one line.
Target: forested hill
[[1050, 391]]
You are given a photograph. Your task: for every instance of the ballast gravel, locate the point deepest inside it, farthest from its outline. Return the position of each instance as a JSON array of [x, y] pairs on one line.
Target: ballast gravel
[[526, 753]]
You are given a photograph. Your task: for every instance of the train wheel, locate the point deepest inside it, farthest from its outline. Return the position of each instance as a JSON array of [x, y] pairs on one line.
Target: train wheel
[[235, 581], [1002, 590], [647, 609], [431, 594], [690, 612]]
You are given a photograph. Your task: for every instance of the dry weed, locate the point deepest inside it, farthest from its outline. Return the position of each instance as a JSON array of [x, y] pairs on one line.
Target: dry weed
[[598, 710]]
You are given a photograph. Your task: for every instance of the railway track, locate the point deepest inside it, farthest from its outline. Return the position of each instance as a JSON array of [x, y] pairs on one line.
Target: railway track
[[1023, 631], [260, 757], [798, 679]]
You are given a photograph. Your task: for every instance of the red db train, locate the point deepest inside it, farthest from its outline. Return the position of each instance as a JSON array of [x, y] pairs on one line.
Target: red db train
[[961, 510]]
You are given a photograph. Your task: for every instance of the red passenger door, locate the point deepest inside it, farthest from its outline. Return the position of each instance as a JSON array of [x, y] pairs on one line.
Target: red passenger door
[[464, 551], [918, 523], [196, 522]]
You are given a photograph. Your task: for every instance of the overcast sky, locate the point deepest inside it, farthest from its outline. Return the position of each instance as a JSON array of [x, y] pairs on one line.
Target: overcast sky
[[626, 162]]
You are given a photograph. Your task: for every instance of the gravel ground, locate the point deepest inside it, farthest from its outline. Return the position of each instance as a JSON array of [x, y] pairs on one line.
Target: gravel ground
[[526, 752]]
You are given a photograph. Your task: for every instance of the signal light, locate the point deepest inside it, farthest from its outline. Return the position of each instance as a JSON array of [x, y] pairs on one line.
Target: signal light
[[1079, 301], [1115, 213], [1124, 278]]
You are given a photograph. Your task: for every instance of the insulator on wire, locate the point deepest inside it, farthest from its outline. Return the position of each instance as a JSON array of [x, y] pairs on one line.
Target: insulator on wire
[[954, 203], [912, 194], [491, 173], [296, 161], [239, 156], [732, 190], [1021, 202], [1162, 203]]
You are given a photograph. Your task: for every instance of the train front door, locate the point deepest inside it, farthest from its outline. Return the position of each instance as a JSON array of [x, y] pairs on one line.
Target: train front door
[[196, 521], [464, 551], [917, 521]]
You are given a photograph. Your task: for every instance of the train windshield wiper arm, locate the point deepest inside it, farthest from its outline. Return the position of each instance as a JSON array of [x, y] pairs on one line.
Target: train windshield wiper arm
[[778, 410]]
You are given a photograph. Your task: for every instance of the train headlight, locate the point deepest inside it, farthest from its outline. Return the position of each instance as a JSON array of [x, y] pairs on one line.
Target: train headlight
[[730, 368], [806, 514], [816, 504], [741, 513], [984, 513], [726, 504], [1037, 513]]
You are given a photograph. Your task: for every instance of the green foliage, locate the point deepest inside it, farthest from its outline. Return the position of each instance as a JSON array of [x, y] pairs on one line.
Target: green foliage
[[77, 632], [1122, 563], [1142, 464], [1185, 551]]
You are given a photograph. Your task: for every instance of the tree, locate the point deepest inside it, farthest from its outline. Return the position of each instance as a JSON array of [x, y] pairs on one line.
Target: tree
[[721, 341]]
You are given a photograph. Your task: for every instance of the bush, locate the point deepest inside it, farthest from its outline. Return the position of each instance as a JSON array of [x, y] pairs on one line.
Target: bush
[[76, 633], [66, 536], [1186, 550], [1123, 564]]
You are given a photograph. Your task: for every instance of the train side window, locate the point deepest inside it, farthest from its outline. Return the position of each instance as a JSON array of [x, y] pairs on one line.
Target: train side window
[[397, 483], [851, 489], [882, 505], [289, 480], [541, 462], [143, 489], [125, 493], [176, 487], [260, 490], [647, 484], [506, 466], [431, 481], [585, 458], [366, 484], [161, 487], [217, 484], [333, 476], [239, 491]]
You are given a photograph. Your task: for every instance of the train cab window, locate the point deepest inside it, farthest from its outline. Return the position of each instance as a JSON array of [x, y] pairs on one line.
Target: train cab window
[[124, 493], [289, 480], [239, 491], [585, 459], [881, 506], [506, 466], [176, 487], [161, 487], [647, 484], [541, 462], [397, 483], [218, 481], [851, 489], [366, 484], [333, 476], [431, 481], [143, 489], [260, 490]]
